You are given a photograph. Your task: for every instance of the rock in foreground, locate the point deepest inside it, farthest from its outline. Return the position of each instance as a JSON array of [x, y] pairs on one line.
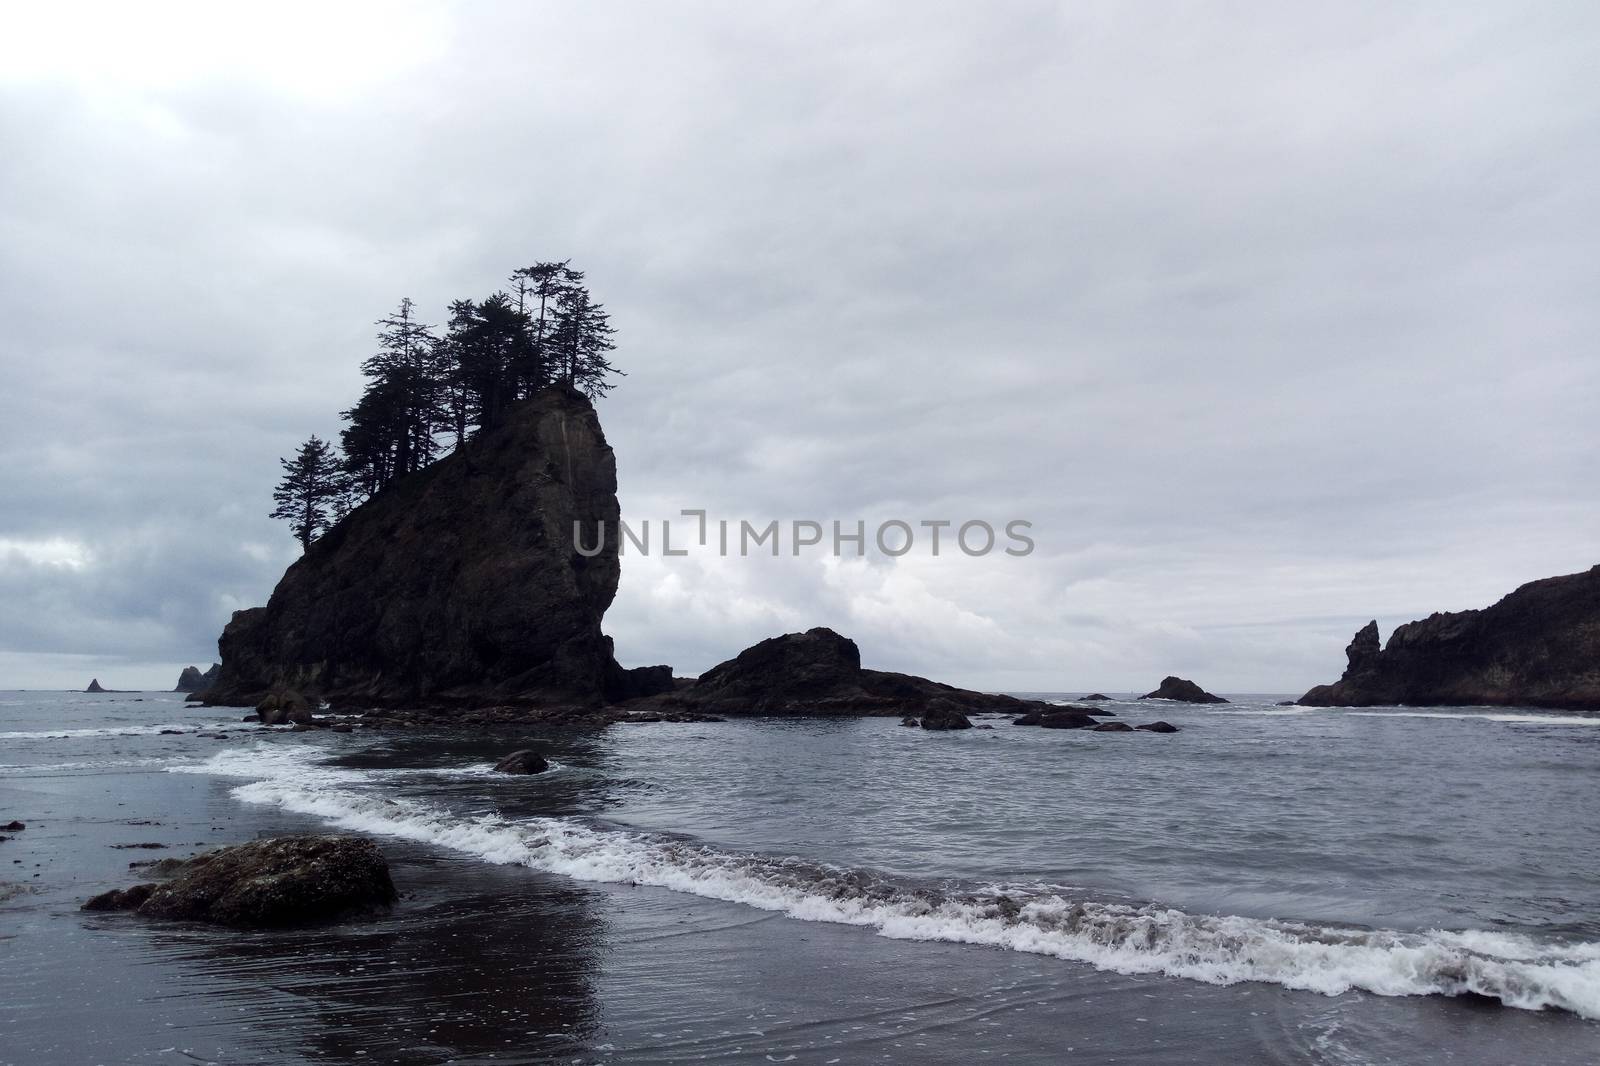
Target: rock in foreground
[[943, 715], [1537, 647], [278, 883], [819, 672], [1181, 691]]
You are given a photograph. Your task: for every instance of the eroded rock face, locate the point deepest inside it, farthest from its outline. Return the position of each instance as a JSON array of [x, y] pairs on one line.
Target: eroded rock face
[[819, 672], [460, 585], [1176, 688], [277, 883], [1537, 647]]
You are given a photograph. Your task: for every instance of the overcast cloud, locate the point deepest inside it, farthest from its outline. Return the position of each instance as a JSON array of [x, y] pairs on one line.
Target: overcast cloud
[[1272, 319]]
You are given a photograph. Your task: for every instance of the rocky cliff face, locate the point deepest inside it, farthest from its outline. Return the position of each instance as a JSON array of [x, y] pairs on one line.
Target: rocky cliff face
[[459, 585], [1537, 647]]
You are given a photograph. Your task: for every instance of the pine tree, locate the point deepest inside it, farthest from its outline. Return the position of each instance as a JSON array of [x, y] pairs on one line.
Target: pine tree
[[309, 489], [581, 342]]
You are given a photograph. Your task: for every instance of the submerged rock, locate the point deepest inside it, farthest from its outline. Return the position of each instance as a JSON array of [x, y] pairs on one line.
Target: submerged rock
[[12, 827], [1067, 720], [910, 722], [282, 882], [1537, 647], [1093, 696], [1158, 727], [522, 762], [1182, 691], [1112, 727]]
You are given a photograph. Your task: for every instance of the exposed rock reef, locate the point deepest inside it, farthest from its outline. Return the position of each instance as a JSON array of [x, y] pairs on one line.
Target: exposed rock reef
[[277, 883], [192, 680], [1537, 647], [819, 672], [457, 586], [1176, 688]]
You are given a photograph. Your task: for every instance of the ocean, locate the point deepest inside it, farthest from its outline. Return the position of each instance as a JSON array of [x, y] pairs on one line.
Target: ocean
[[1269, 885]]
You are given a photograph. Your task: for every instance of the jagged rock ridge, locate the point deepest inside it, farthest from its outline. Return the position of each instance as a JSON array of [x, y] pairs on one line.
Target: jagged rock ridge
[[1537, 647], [459, 585], [192, 680]]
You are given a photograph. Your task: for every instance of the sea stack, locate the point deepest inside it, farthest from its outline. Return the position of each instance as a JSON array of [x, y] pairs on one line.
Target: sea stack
[[1181, 691], [94, 686], [460, 585], [192, 680], [1537, 647]]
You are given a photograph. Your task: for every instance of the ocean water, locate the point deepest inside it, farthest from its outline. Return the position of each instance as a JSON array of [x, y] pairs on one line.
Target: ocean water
[[1271, 884]]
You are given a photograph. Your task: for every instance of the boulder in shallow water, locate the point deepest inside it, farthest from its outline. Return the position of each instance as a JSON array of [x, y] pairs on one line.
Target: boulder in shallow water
[[526, 761], [120, 899], [1066, 720], [1181, 691], [276, 883], [12, 827], [1158, 727], [1112, 727], [1092, 697], [286, 706], [941, 715], [909, 722]]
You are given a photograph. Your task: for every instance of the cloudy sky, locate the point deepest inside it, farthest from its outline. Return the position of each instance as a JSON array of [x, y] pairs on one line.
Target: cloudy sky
[[1271, 319]]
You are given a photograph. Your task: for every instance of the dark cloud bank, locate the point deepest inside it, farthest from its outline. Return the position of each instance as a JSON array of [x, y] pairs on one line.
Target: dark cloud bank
[[1270, 320]]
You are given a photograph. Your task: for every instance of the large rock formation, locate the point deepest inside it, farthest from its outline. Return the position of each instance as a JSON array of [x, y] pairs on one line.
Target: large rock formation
[[1537, 647], [819, 672], [460, 585], [192, 680], [94, 686], [1183, 691]]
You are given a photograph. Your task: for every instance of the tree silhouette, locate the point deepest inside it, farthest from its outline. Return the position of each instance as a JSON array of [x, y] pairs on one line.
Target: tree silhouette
[[310, 489]]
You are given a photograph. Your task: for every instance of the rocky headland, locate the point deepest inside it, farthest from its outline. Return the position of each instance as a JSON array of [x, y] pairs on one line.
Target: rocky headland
[[193, 680], [1537, 647]]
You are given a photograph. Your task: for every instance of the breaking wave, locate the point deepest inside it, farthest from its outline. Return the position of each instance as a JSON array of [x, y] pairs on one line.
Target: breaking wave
[[107, 731], [1518, 971]]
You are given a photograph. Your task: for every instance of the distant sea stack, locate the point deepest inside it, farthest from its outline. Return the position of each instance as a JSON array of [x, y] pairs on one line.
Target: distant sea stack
[[1537, 647], [819, 672], [1182, 691], [192, 680], [459, 585], [94, 686]]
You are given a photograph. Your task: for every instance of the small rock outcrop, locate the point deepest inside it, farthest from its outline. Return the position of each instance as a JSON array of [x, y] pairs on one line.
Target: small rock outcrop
[[819, 673], [12, 827], [277, 883], [1092, 697], [284, 708], [522, 762], [1113, 727], [1539, 646], [459, 586], [94, 686], [1181, 691], [1158, 727], [944, 715]]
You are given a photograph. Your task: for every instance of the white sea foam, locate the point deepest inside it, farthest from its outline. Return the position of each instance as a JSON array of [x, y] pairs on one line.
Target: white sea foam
[[86, 764], [1530, 719], [107, 731], [1223, 950]]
